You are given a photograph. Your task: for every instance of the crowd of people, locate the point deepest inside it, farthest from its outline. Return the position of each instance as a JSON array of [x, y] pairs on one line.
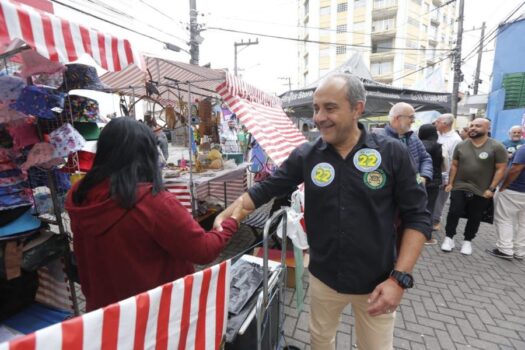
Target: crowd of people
[[372, 201]]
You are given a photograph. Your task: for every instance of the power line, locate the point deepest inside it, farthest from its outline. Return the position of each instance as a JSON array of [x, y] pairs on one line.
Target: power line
[[113, 23], [317, 41]]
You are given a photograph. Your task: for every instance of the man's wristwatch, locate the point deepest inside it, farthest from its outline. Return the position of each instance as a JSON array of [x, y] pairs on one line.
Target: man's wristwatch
[[404, 279]]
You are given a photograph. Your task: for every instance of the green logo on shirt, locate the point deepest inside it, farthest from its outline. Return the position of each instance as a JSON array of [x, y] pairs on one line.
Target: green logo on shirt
[[375, 179]]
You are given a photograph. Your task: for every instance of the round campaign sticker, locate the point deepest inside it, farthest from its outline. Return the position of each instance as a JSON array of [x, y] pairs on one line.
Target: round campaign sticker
[[367, 159], [375, 179], [483, 155], [323, 174]]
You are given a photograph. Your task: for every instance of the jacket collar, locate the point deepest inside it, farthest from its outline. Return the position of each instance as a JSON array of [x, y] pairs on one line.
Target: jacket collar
[[392, 132]]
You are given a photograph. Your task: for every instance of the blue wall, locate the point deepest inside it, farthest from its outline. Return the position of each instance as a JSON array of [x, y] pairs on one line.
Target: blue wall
[[508, 58]]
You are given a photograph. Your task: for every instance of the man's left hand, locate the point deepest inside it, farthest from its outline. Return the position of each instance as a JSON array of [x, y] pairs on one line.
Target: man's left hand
[[385, 298]]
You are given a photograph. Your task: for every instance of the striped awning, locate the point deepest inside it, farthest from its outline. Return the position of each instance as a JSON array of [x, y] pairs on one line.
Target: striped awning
[[263, 116], [63, 41], [169, 77]]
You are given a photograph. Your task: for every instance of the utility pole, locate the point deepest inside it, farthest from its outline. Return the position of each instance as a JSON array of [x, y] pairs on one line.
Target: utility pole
[[458, 76], [242, 43], [194, 33], [478, 67]]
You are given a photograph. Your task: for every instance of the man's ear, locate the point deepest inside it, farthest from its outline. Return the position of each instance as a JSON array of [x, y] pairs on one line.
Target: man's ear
[[360, 107]]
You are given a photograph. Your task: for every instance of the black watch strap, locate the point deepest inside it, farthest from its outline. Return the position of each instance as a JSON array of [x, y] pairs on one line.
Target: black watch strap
[[404, 279]]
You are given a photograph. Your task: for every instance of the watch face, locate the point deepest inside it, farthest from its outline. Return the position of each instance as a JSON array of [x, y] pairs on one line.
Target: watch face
[[407, 281]]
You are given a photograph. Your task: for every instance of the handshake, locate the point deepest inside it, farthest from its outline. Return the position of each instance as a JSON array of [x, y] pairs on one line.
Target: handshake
[[238, 210]]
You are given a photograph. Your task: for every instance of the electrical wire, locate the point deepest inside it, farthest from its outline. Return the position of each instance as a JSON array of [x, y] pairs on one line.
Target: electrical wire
[[317, 41]]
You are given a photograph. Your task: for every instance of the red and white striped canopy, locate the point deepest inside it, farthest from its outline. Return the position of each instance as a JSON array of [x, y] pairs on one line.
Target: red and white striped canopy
[[63, 41], [263, 116]]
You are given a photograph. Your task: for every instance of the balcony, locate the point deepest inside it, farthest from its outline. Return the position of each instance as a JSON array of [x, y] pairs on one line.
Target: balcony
[[383, 29], [382, 56], [435, 19], [385, 8], [383, 77]]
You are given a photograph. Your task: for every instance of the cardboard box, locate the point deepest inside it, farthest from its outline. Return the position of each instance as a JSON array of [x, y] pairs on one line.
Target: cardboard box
[[275, 255]]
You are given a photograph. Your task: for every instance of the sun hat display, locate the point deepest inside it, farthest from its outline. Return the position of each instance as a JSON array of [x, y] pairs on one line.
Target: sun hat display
[[8, 115], [81, 109], [10, 87], [39, 155], [39, 101], [23, 135], [34, 63], [85, 162], [66, 140], [90, 131], [24, 223], [81, 76]]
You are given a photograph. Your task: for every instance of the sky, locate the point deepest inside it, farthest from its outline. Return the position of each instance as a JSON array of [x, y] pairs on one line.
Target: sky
[[270, 63]]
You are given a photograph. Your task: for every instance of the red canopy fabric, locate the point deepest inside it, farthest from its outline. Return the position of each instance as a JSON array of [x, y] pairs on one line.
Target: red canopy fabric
[[63, 41]]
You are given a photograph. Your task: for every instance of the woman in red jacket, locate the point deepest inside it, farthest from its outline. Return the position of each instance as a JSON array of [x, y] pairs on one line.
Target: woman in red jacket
[[129, 234]]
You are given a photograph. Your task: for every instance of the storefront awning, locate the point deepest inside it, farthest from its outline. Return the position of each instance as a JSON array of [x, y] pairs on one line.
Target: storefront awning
[[263, 116], [63, 41]]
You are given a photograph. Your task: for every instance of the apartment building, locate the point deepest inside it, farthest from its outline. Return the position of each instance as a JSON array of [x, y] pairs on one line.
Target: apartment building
[[403, 41]]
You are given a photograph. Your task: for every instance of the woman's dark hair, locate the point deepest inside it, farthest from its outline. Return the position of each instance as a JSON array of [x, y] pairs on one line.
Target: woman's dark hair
[[427, 132], [127, 154]]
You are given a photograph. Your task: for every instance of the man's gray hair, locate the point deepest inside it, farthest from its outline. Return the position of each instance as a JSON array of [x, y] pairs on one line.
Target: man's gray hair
[[447, 119], [515, 127], [355, 90]]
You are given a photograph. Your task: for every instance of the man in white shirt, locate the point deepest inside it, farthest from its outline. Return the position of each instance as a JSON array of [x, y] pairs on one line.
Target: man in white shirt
[[449, 138], [229, 138]]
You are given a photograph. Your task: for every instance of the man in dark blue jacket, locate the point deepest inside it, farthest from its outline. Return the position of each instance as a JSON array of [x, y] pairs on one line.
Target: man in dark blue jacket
[[401, 117]]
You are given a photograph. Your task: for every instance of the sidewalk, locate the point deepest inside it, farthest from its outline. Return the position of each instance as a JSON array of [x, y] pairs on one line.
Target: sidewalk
[[458, 302]]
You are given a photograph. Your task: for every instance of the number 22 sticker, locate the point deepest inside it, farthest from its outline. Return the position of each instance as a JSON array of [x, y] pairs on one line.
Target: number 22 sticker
[[323, 174], [367, 159]]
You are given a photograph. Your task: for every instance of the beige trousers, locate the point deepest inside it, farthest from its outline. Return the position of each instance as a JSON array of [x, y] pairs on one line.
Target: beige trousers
[[326, 307]]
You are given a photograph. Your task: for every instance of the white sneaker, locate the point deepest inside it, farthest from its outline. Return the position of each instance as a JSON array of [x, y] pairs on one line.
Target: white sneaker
[[448, 244], [466, 248]]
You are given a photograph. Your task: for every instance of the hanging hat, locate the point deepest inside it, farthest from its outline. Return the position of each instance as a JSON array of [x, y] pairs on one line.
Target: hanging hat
[[39, 101], [66, 140], [81, 76], [82, 109], [85, 162], [90, 131], [39, 155], [23, 135], [34, 63], [8, 115], [10, 87], [24, 223], [53, 80]]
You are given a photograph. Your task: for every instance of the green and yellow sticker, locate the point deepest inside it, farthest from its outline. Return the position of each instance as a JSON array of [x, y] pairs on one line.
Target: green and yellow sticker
[[375, 179]]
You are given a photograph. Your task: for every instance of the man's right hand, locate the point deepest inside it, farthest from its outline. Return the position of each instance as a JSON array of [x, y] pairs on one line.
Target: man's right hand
[[448, 188], [241, 208]]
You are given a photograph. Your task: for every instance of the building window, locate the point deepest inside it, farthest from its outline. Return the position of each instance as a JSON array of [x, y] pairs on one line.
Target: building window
[[340, 49], [381, 68], [341, 28], [514, 85], [382, 46], [342, 7], [359, 3], [324, 11], [413, 21], [383, 24], [410, 66], [384, 3]]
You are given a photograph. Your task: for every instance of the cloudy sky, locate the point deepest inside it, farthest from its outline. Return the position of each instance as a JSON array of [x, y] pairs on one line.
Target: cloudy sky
[[268, 64]]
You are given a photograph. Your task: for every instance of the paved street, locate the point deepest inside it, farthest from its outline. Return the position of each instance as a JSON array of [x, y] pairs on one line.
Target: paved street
[[459, 302]]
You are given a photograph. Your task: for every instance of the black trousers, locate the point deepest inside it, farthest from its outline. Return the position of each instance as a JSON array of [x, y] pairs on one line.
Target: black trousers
[[465, 202]]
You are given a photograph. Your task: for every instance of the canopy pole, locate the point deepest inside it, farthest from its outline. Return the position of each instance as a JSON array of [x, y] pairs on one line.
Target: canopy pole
[[190, 137]]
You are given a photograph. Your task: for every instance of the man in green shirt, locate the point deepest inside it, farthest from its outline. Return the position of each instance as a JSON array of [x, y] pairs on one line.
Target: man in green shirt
[[478, 165]]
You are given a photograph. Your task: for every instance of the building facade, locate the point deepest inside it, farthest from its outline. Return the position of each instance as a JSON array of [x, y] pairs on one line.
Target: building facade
[[403, 41]]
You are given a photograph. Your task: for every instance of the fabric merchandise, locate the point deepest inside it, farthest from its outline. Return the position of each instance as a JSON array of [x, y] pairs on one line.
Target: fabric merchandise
[[10, 201], [39, 101], [17, 294], [7, 165], [158, 241], [42, 154], [51, 80], [10, 215], [8, 115], [13, 189], [85, 162], [66, 140], [24, 135], [344, 200], [90, 131], [34, 63], [81, 76], [38, 177], [6, 141], [10, 181], [10, 88], [25, 223], [10, 173], [81, 109], [477, 165]]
